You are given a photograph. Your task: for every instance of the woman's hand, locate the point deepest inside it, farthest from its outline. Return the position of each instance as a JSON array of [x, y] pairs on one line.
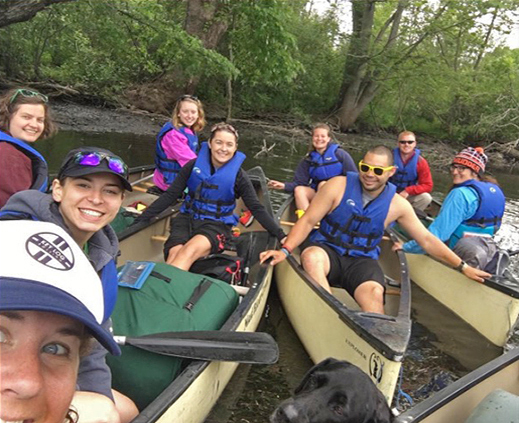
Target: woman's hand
[[475, 274], [276, 184]]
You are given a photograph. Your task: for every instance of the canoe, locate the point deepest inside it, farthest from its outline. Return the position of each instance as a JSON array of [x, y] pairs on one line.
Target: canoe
[[334, 326], [491, 308], [190, 397], [456, 402]]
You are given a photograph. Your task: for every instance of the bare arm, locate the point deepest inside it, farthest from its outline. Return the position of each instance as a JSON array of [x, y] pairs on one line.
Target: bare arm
[[432, 245], [323, 203]]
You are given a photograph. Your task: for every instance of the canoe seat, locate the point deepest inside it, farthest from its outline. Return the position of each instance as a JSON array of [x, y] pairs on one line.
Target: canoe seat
[[497, 407]]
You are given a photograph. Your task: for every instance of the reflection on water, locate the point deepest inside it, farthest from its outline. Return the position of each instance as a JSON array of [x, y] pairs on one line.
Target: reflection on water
[[255, 391]]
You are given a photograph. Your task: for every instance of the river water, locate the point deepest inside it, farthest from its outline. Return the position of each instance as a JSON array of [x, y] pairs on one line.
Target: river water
[[441, 348]]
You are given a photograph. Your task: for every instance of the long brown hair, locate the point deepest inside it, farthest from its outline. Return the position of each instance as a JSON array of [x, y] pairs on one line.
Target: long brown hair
[[319, 125], [11, 101], [200, 122]]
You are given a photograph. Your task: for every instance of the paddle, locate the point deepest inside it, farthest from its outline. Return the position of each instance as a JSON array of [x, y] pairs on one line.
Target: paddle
[[242, 347]]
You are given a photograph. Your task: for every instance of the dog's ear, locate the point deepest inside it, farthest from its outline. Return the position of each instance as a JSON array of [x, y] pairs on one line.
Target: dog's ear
[[309, 373], [382, 412]]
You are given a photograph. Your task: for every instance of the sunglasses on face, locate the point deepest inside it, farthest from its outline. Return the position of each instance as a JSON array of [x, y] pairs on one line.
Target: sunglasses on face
[[406, 142], [28, 93], [225, 127], [93, 159], [377, 170]]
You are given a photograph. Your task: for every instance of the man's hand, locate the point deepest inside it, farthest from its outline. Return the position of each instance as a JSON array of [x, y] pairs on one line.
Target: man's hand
[[276, 255], [404, 193], [397, 246], [94, 408], [475, 274]]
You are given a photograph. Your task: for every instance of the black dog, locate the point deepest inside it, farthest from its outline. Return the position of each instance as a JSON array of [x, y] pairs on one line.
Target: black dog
[[334, 391]]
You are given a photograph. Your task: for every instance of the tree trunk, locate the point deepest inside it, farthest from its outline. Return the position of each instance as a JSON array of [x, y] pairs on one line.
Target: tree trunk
[[12, 11], [206, 20]]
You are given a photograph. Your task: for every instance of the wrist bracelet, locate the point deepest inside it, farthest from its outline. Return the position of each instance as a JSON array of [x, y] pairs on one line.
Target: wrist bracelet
[[285, 250], [461, 266]]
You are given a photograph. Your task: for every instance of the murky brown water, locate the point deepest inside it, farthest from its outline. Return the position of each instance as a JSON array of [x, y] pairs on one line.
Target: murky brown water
[[443, 352]]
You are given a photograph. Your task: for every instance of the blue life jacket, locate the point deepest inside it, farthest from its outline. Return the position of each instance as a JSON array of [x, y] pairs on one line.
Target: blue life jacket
[[212, 196], [324, 166], [169, 167], [39, 165], [488, 216], [406, 174], [351, 229]]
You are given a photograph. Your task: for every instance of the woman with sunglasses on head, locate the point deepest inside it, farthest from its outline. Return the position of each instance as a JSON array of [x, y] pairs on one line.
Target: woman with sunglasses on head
[[471, 213], [325, 160], [51, 308], [85, 198], [24, 119], [177, 141], [215, 179]]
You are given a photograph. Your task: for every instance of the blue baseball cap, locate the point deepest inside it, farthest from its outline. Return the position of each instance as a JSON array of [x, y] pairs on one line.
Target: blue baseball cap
[[43, 269]]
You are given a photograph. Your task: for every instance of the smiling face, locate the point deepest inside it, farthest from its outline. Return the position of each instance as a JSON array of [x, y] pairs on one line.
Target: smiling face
[[28, 122], [406, 144], [188, 112], [372, 183], [461, 174], [39, 360], [223, 145], [320, 139], [88, 203]]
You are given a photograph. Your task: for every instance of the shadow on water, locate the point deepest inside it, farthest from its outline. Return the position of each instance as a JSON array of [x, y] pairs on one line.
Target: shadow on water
[[441, 350]]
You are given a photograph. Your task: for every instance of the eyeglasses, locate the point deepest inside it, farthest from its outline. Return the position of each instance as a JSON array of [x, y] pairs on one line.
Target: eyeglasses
[[406, 142], [188, 97], [457, 167], [225, 127], [28, 93], [85, 158], [377, 170]]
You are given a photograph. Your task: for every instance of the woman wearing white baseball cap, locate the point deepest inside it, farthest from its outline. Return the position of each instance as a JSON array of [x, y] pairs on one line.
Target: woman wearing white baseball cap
[[51, 305]]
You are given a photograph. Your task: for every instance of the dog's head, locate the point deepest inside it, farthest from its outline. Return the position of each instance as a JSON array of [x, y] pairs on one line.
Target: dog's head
[[334, 391]]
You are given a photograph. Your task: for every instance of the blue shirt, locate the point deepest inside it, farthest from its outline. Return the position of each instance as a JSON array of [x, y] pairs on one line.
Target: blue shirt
[[459, 205]]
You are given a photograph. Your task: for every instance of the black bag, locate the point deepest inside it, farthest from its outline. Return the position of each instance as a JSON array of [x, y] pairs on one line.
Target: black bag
[[220, 266]]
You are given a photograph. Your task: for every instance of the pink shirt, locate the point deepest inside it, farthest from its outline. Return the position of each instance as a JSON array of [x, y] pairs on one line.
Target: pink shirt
[[176, 148]]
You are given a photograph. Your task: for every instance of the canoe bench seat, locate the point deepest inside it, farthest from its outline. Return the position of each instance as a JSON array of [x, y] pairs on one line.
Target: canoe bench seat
[[497, 407]]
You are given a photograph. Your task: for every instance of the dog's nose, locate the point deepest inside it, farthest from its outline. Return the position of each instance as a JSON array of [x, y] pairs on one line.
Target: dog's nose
[[287, 413]]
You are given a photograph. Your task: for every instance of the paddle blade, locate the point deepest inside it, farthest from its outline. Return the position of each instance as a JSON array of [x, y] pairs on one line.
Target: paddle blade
[[242, 347]]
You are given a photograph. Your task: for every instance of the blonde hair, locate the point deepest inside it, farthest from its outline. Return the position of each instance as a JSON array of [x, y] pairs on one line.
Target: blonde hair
[[404, 133], [200, 122]]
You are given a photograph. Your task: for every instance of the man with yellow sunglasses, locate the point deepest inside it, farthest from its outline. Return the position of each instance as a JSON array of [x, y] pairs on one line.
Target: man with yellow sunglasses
[[354, 211]]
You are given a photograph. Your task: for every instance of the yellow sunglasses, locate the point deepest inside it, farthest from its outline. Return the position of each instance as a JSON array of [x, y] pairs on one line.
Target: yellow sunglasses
[[377, 170]]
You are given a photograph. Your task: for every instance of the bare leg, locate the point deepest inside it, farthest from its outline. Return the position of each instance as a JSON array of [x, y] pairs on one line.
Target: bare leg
[[370, 296], [125, 407], [303, 195], [316, 262], [196, 247], [173, 251]]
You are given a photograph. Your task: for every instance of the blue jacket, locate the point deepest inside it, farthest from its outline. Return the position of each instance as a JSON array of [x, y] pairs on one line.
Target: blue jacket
[[211, 196], [324, 166], [406, 174], [488, 216], [39, 165], [169, 167], [352, 229]]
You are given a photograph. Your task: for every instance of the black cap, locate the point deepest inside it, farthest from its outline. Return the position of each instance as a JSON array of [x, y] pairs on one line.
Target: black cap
[[71, 167]]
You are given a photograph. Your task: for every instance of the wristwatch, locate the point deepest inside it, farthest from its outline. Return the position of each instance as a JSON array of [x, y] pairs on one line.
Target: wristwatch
[[461, 266]]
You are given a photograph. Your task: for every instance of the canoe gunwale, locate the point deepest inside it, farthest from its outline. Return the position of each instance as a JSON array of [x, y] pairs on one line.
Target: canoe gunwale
[[195, 368], [460, 386]]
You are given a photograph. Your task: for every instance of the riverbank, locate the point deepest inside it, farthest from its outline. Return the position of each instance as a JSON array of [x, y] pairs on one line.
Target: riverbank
[[83, 118]]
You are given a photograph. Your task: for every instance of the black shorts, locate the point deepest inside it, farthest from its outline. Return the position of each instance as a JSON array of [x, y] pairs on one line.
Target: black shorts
[[349, 272], [183, 228]]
